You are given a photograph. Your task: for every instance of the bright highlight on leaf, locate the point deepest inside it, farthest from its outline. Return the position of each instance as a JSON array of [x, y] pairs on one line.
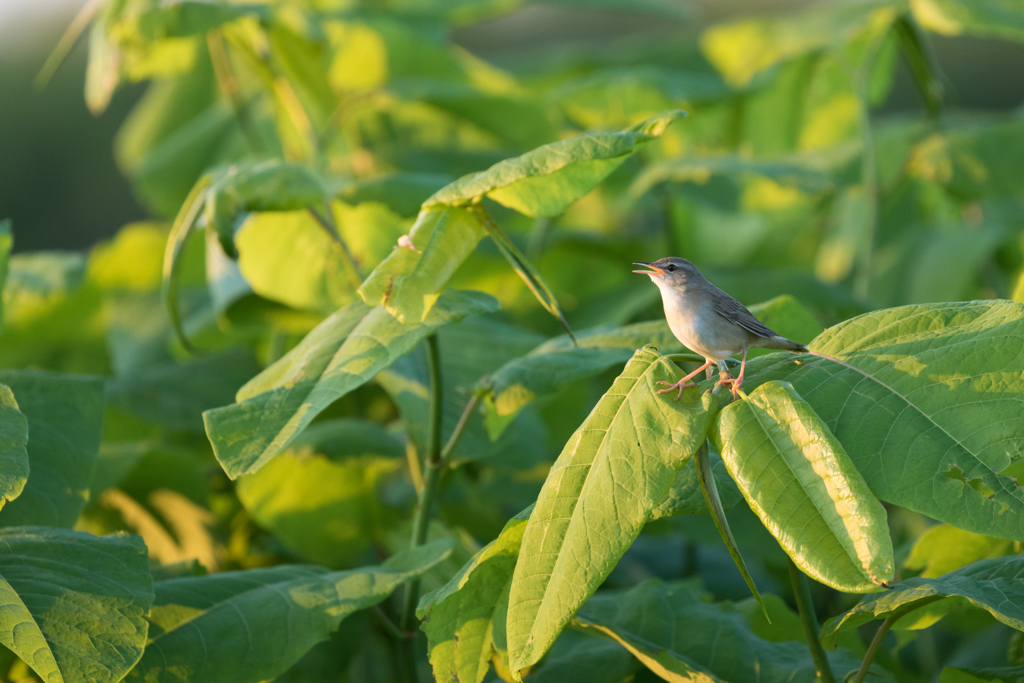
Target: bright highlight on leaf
[[789, 467], [598, 495]]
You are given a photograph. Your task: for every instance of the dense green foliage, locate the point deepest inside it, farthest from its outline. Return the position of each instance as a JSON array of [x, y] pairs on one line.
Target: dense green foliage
[[377, 394]]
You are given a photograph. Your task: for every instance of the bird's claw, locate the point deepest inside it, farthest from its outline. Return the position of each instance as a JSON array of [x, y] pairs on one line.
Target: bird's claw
[[735, 385], [680, 385]]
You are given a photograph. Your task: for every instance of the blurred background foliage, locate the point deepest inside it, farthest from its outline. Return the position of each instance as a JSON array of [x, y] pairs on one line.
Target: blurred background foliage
[[851, 155]]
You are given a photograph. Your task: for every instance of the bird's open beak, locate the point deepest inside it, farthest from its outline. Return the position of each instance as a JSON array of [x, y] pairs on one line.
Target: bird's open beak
[[654, 270]]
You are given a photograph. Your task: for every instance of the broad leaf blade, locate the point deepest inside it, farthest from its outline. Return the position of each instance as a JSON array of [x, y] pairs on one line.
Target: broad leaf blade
[[14, 468], [460, 618], [411, 278], [598, 495], [304, 602], [550, 178], [51, 578], [926, 402], [790, 467], [65, 419], [342, 353], [673, 622], [993, 585]]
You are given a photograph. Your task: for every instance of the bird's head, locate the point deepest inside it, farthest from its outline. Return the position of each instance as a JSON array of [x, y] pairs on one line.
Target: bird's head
[[671, 271]]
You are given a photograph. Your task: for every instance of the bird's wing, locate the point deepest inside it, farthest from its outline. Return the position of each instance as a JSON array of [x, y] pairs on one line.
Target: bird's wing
[[735, 312]]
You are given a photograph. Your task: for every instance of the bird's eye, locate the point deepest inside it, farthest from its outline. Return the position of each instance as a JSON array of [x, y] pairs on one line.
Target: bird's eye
[[671, 269]]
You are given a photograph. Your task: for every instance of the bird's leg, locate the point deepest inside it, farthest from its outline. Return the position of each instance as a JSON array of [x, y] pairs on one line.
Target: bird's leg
[[735, 382], [683, 383]]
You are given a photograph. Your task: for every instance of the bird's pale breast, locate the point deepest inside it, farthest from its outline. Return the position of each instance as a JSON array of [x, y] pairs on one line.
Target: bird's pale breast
[[695, 323]]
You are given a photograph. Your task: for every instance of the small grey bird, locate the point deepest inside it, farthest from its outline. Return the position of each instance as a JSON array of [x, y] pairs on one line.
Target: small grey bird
[[709, 321]]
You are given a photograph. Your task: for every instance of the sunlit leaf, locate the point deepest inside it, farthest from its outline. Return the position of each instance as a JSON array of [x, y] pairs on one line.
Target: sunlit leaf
[[306, 601], [601, 481], [320, 497], [465, 619], [789, 466], [65, 418], [409, 281], [928, 394], [14, 467], [944, 549], [342, 353], [990, 18], [993, 585], [550, 178], [50, 578], [686, 498], [675, 629]]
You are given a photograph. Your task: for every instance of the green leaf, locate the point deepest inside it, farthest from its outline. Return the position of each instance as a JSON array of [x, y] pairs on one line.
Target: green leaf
[[585, 657], [323, 505], [708, 488], [686, 496], [409, 281], [344, 352], [1018, 291], [597, 497], [558, 362], [304, 602], [993, 585], [65, 419], [743, 49], [288, 257], [792, 172], [789, 467], [401, 192], [1007, 674], [550, 178], [186, 219], [14, 468], [50, 579], [990, 18], [944, 549], [926, 403], [465, 618], [672, 628]]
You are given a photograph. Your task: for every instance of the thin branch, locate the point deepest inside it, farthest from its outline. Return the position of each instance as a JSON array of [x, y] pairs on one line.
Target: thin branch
[[66, 42], [805, 605], [228, 84], [876, 642], [453, 440]]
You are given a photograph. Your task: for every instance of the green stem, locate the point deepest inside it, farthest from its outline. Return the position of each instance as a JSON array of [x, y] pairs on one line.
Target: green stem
[[876, 642], [805, 605], [328, 225], [421, 518]]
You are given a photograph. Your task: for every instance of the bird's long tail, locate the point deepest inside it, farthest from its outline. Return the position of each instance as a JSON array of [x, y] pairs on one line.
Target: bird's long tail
[[783, 344]]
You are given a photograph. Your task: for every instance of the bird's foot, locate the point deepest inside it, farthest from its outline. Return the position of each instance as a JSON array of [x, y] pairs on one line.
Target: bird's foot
[[680, 385], [733, 383]]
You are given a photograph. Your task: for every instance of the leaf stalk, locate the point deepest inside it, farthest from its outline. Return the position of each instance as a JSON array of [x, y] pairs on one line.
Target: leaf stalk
[[876, 642], [805, 606]]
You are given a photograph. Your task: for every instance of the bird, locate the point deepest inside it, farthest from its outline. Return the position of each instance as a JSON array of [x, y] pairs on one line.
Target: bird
[[709, 321]]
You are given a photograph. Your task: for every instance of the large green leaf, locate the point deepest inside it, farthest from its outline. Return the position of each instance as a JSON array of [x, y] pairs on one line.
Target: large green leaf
[[250, 626], [791, 172], [342, 353], [994, 18], [993, 585], [465, 619], [944, 549], [927, 404], [613, 472], [789, 467], [14, 467], [411, 278], [685, 496], [550, 178], [320, 497], [675, 632], [558, 361], [65, 419], [74, 603]]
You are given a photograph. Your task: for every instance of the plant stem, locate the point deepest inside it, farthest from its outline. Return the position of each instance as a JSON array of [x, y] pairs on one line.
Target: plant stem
[[805, 605], [876, 642], [421, 518]]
